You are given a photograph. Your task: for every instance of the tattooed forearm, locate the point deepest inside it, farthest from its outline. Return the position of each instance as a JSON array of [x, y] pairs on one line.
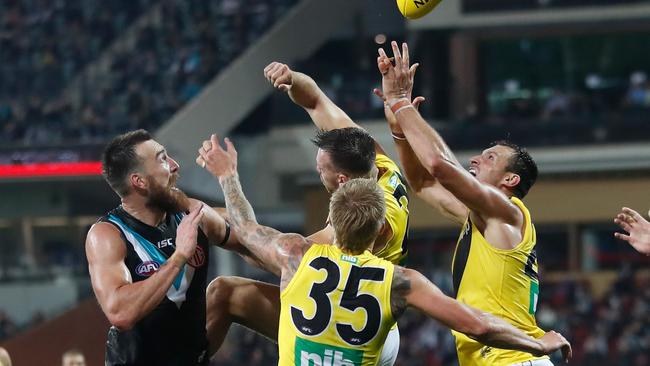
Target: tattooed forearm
[[273, 249], [239, 210], [399, 290]]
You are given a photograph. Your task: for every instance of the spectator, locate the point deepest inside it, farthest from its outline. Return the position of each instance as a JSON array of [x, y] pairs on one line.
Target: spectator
[[73, 357]]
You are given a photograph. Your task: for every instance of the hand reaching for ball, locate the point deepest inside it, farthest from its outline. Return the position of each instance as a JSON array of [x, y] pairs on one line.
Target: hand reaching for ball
[[215, 159]]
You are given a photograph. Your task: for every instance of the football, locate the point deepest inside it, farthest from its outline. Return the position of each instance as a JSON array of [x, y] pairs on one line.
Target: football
[[413, 9]]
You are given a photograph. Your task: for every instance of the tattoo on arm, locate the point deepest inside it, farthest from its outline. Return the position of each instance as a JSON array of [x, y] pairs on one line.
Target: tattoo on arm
[[400, 288], [278, 253], [239, 210]]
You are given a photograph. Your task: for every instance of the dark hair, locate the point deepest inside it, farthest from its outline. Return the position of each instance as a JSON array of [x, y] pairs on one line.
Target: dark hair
[[120, 159], [522, 164], [352, 149]]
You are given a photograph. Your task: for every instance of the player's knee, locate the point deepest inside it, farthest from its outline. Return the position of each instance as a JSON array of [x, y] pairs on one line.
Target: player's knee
[[220, 291]]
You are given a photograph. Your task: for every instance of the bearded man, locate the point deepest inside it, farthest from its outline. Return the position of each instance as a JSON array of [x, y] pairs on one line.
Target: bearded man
[[148, 258]]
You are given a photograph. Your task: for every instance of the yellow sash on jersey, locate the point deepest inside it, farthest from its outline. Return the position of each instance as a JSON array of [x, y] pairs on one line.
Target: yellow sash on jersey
[[501, 282], [336, 309]]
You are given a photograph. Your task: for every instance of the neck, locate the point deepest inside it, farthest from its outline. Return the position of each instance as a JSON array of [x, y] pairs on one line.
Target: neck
[[508, 193], [349, 251], [138, 209]]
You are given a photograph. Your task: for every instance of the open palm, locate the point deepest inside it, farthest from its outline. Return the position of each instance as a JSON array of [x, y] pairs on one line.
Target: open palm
[[637, 227]]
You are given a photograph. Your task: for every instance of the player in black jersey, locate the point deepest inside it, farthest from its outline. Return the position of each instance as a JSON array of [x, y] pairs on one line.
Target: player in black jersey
[[148, 259]]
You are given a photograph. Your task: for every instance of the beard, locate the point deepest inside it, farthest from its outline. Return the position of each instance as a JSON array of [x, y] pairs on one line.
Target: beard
[[167, 198]]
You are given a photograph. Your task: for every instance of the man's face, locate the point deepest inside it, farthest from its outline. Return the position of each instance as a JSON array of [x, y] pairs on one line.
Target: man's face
[[329, 175], [160, 173], [490, 166], [74, 360]]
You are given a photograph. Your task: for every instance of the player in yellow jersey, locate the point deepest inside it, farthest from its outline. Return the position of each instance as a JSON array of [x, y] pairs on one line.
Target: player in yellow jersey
[[340, 301], [336, 162], [495, 265], [345, 151]]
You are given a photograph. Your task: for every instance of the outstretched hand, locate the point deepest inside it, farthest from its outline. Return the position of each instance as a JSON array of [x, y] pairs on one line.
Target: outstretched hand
[[397, 79], [215, 159], [637, 227]]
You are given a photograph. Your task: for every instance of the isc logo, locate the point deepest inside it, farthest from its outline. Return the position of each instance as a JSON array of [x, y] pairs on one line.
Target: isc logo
[[164, 243], [147, 268]]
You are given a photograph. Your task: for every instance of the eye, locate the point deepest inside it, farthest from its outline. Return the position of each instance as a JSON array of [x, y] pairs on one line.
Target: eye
[[491, 157]]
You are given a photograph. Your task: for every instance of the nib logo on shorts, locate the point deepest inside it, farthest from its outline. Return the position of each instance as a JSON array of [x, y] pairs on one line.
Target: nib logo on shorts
[[309, 353]]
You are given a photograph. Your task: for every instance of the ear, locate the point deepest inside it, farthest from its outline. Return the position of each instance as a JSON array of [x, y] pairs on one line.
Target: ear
[[342, 178], [138, 181], [511, 180]]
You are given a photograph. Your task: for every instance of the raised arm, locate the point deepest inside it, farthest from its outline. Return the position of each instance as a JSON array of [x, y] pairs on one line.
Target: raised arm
[[410, 288], [277, 252], [123, 301], [304, 92], [420, 180], [483, 199], [425, 186]]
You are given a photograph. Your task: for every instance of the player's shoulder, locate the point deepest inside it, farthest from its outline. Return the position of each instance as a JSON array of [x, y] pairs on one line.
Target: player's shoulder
[[104, 240], [383, 161], [104, 232]]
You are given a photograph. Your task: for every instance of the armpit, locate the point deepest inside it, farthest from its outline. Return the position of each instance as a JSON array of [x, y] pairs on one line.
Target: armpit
[[400, 288]]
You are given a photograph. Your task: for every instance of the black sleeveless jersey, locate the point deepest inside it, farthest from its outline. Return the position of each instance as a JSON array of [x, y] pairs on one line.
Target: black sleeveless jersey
[[174, 332]]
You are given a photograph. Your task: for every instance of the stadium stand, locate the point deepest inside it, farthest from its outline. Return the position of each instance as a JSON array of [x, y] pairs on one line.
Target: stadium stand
[[75, 73], [167, 64]]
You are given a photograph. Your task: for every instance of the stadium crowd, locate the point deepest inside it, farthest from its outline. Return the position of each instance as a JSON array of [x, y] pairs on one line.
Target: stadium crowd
[[169, 62], [182, 49], [45, 43]]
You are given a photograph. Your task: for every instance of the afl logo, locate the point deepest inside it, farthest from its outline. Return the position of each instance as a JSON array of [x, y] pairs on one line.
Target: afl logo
[[198, 259], [146, 269]]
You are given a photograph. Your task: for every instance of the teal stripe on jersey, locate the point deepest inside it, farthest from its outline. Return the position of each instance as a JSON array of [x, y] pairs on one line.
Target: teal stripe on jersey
[[150, 248]]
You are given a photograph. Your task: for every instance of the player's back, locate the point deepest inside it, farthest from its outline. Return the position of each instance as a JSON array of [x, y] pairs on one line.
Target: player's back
[[336, 309]]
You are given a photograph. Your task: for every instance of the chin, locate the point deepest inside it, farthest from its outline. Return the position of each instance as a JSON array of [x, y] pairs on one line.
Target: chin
[[170, 200]]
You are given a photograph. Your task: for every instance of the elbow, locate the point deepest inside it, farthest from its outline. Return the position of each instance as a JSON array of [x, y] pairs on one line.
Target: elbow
[[121, 319], [435, 163], [121, 322]]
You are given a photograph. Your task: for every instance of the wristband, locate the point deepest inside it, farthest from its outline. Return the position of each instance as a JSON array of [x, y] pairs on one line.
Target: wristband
[[403, 108], [226, 236], [399, 104]]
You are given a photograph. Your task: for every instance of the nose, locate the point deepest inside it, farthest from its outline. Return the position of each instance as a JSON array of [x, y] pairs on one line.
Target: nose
[[473, 160], [173, 165]]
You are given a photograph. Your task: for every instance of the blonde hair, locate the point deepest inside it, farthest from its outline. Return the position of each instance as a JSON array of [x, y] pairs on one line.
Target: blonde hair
[[357, 213]]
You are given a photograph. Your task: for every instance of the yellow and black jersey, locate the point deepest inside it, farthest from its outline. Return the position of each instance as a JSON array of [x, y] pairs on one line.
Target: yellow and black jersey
[[397, 213], [336, 309], [501, 282]]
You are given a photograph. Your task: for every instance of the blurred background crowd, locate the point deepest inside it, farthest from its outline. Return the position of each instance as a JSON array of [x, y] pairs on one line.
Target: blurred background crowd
[[74, 73]]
